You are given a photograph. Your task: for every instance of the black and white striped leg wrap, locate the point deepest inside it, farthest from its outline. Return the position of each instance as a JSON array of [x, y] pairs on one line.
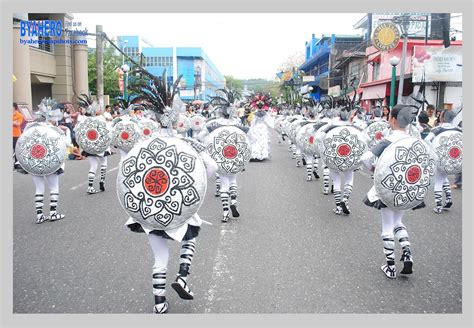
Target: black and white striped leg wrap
[[447, 191], [315, 164], [218, 182], [337, 196], [233, 194], [389, 248], [188, 248], [326, 177], [91, 177], [401, 234], [53, 202], [103, 171], [309, 170], [293, 149], [39, 204], [225, 201], [159, 282], [347, 192], [438, 198]]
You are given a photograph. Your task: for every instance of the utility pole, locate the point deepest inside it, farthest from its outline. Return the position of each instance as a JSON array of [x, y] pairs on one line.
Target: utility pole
[[99, 61]]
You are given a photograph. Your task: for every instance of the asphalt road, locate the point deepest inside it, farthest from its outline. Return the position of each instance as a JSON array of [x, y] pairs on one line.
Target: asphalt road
[[287, 253]]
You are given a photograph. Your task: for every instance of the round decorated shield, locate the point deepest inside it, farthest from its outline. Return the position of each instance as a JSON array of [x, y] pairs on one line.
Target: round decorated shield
[[197, 122], [403, 173], [342, 148], [126, 134], [293, 129], [161, 183], [279, 125], [375, 132], [306, 139], [448, 148], [230, 149], [287, 124], [183, 124], [148, 127], [93, 135], [41, 149]]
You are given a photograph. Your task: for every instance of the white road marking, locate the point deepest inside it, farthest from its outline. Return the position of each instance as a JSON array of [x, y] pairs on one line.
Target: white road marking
[[86, 182], [220, 270]]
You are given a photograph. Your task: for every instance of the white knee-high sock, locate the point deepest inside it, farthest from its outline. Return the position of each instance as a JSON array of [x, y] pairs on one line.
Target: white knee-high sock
[[53, 182], [39, 195], [159, 245]]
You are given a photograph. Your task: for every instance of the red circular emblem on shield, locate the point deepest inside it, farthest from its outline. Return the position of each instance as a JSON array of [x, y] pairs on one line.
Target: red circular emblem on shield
[[124, 135], [38, 151], [181, 125], [230, 151], [344, 150], [92, 135], [146, 132], [378, 135], [413, 174], [196, 123], [311, 140], [454, 152], [156, 182]]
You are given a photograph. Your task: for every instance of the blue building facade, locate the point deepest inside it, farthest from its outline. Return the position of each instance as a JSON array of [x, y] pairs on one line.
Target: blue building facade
[[320, 59], [200, 76]]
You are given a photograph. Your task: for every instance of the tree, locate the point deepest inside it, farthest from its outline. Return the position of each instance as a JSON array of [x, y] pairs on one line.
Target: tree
[[292, 61], [112, 61], [233, 83]]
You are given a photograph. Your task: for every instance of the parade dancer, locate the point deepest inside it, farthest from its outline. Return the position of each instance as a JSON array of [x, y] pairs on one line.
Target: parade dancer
[[259, 132], [99, 159], [341, 196], [441, 185], [41, 152], [393, 229], [306, 142], [236, 150], [186, 232]]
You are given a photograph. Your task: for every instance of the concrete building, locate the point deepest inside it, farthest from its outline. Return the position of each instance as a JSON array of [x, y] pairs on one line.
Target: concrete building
[[321, 54], [442, 91], [200, 76], [45, 69]]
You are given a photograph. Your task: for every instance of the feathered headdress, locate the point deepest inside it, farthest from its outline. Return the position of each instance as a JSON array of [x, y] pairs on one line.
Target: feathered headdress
[[49, 109], [224, 101], [261, 101], [85, 101], [161, 99]]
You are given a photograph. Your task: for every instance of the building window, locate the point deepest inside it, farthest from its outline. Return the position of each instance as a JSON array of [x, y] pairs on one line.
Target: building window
[[375, 71]]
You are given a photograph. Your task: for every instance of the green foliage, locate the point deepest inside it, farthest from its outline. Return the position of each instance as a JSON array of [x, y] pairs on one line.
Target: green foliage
[[112, 61], [233, 83]]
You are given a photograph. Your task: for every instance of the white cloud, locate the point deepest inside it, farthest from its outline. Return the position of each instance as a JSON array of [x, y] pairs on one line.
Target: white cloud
[[242, 45]]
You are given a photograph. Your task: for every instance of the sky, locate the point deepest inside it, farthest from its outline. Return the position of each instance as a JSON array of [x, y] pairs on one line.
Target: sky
[[242, 45]]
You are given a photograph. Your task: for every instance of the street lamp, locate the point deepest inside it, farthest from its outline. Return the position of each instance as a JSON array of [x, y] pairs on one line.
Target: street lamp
[[125, 68], [394, 61], [123, 49]]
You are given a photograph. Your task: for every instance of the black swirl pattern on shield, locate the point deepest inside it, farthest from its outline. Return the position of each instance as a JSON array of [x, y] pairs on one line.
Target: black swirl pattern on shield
[[416, 158], [332, 146], [450, 153], [103, 139], [46, 164], [226, 138], [164, 205], [373, 130]]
